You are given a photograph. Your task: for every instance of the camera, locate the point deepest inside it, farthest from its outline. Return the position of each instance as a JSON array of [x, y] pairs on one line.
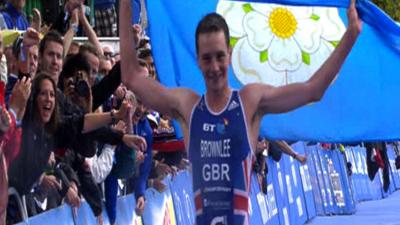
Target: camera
[[81, 87]]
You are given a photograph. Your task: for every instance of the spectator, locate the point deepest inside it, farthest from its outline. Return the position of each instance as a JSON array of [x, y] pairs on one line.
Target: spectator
[[10, 137], [43, 132], [109, 54], [117, 57], [61, 22], [259, 165], [145, 54], [25, 59], [100, 166], [51, 54], [275, 146], [124, 167], [74, 82], [14, 16], [92, 56], [104, 68], [74, 48], [50, 60]]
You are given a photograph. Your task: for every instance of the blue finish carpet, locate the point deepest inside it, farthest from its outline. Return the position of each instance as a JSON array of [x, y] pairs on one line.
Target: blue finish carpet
[[380, 212]]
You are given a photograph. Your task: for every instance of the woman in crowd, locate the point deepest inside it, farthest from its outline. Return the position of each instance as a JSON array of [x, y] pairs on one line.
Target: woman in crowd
[[43, 132]]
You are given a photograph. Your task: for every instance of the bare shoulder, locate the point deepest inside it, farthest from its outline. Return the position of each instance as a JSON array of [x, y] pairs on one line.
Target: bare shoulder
[[252, 96], [252, 93], [187, 98], [186, 95]]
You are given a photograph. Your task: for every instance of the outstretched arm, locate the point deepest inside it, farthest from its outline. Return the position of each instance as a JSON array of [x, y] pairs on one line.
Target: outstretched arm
[[151, 93], [268, 99], [287, 149], [93, 121]]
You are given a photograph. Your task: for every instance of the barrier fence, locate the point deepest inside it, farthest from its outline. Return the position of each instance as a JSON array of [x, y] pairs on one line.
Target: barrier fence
[[295, 193]]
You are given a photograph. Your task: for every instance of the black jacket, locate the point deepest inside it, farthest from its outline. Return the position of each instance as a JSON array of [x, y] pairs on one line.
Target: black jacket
[[35, 151]]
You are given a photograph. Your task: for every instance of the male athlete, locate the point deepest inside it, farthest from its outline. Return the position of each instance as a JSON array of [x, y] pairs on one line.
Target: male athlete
[[221, 127]]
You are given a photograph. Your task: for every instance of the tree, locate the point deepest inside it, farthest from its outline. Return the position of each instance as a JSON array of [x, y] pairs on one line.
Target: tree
[[391, 7]]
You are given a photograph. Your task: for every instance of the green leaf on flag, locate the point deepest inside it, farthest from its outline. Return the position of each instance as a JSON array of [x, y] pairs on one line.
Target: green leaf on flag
[[315, 17], [247, 8], [233, 41], [306, 58], [264, 56], [334, 43]]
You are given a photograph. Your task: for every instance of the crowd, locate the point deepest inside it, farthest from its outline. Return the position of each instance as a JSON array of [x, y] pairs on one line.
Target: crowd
[[101, 14]]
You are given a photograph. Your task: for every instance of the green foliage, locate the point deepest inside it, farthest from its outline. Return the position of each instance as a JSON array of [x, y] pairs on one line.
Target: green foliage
[[391, 7]]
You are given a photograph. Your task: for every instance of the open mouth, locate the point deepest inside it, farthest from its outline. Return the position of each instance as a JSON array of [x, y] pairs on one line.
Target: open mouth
[[48, 109]]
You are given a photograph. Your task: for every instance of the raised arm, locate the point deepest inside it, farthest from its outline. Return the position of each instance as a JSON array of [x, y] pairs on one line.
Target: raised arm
[[152, 94], [268, 99], [69, 35], [87, 28]]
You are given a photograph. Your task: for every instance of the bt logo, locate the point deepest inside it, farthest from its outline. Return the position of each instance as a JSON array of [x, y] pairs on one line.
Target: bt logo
[[208, 127], [219, 127]]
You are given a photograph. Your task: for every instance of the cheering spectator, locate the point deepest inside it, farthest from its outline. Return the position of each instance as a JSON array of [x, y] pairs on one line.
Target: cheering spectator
[[10, 136]]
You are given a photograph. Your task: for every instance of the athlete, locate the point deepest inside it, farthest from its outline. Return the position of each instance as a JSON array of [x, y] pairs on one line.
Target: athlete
[[221, 127]]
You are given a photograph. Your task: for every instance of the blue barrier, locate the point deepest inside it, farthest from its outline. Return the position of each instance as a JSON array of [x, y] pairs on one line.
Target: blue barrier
[[159, 208], [258, 206], [306, 182], [350, 159], [394, 172], [342, 189], [281, 192], [62, 215], [271, 204], [362, 186], [376, 187], [263, 208], [325, 179], [182, 196], [297, 206], [125, 211], [365, 182], [295, 193], [316, 180]]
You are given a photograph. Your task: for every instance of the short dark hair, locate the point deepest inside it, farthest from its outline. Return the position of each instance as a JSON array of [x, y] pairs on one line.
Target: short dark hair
[[212, 22], [31, 111], [89, 47], [73, 64], [16, 47], [144, 53], [52, 35]]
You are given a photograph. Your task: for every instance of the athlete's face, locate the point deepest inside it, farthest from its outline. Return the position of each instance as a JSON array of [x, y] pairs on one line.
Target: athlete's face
[[214, 59]]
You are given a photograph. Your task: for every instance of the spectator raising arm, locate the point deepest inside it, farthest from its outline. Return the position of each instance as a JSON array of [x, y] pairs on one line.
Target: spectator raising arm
[[36, 19], [69, 35], [19, 97], [90, 33]]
